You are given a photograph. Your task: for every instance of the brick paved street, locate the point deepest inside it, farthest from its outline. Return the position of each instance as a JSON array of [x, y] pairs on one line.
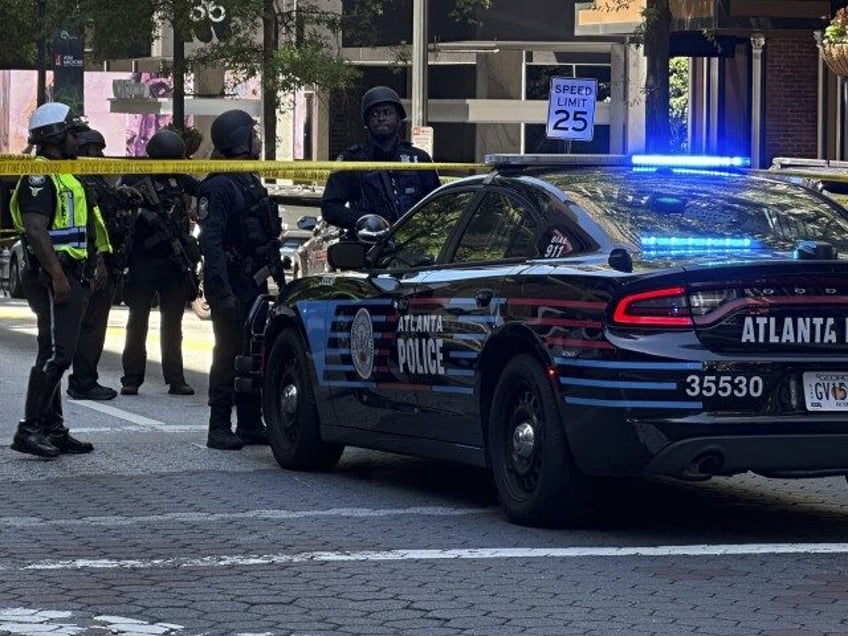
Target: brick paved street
[[155, 534]]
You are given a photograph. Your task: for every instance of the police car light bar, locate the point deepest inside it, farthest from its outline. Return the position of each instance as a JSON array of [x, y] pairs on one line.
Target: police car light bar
[[691, 161], [518, 160], [675, 243]]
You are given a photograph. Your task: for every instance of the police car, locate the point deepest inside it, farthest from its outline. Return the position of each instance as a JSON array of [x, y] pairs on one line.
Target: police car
[[564, 318]]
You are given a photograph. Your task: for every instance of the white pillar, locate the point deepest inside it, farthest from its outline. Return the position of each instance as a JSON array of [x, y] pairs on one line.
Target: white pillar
[[418, 117], [758, 43]]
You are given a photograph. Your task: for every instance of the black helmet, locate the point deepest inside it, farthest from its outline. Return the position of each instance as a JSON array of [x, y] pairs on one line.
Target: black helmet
[[166, 144], [232, 132], [380, 95], [51, 121], [90, 136], [370, 228]]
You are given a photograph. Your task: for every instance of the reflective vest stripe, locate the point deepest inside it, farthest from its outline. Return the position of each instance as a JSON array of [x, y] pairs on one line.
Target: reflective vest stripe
[[72, 237]]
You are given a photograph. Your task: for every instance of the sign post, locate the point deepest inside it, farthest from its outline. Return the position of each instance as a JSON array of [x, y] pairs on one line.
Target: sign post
[[571, 108]]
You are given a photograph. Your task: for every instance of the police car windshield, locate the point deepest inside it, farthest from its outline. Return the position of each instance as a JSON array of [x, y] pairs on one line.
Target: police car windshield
[[632, 205]]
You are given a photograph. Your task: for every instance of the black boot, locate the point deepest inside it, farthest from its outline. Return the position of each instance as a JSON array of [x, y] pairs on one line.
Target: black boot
[[250, 427], [221, 436], [30, 438], [223, 439], [58, 433]]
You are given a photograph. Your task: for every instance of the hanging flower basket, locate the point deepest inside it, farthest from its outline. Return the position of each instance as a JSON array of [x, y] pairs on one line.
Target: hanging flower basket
[[836, 57], [834, 46]]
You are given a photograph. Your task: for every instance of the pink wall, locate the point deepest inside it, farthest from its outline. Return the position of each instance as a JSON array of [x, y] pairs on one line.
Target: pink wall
[[124, 133]]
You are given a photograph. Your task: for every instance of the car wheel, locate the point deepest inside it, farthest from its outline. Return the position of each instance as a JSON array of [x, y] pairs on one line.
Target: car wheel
[[288, 402], [534, 473], [200, 306], [16, 286]]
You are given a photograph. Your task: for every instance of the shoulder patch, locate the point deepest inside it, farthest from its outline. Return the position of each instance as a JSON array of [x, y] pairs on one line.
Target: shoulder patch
[[202, 208]]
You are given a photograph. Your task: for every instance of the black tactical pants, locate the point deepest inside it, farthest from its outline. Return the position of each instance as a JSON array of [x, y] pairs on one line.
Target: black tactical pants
[[228, 326], [58, 334], [142, 284], [92, 338]]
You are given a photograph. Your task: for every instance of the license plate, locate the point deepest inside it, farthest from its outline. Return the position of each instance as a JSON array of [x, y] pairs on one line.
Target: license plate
[[826, 391]]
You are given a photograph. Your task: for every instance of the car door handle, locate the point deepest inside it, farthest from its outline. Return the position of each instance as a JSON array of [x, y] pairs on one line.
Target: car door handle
[[401, 305], [483, 297]]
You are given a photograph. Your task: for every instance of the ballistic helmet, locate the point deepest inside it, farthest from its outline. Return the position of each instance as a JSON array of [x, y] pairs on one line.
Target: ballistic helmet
[[380, 95], [51, 121], [166, 144], [92, 137], [370, 228], [232, 132]]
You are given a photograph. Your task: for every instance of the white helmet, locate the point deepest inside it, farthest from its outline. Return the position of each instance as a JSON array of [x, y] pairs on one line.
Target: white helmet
[[53, 119]]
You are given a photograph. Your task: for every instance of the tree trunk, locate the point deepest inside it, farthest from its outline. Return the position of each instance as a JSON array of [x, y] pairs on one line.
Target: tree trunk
[[270, 99], [657, 30]]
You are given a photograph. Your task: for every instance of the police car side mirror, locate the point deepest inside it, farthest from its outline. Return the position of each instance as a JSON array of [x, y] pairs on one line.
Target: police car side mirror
[[307, 223], [347, 255]]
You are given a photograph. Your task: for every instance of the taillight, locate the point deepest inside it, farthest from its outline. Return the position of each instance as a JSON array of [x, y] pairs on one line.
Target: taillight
[[656, 308]]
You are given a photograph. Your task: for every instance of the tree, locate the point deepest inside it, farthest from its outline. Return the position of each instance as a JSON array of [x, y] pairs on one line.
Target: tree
[[654, 33], [299, 47]]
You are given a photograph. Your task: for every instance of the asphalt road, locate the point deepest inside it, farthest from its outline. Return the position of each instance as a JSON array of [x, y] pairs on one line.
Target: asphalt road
[[154, 533]]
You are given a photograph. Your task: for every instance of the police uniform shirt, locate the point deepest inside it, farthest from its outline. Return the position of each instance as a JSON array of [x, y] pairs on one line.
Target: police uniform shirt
[[350, 194], [219, 201], [37, 195]]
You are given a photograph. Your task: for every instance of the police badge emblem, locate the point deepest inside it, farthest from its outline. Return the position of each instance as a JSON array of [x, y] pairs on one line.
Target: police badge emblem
[[362, 343], [202, 208]]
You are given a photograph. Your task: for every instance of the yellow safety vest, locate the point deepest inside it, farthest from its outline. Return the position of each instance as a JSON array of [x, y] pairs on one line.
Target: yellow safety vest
[[69, 231]]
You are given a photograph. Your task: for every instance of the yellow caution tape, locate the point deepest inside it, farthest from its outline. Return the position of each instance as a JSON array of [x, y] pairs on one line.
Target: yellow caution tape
[[303, 170]]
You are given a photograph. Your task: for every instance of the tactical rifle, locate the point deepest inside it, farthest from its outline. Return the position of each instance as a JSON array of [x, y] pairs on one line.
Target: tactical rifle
[[176, 238]]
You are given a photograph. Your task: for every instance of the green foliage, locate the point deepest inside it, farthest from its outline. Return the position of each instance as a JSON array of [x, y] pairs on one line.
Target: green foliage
[[192, 138], [837, 31], [678, 105]]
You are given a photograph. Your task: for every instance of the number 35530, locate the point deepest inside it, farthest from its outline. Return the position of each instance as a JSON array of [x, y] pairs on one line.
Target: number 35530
[[739, 386]]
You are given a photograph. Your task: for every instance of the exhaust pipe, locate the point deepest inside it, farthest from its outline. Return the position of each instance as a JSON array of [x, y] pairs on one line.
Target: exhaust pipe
[[704, 466]]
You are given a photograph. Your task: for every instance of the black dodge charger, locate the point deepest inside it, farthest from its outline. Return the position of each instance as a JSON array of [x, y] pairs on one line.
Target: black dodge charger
[[564, 318]]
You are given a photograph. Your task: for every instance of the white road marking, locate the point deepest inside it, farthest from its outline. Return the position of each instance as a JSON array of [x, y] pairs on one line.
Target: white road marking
[[139, 420], [274, 515], [27, 622], [430, 555]]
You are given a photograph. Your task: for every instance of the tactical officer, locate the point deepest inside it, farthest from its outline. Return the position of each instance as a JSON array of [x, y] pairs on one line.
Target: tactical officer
[[240, 226], [162, 260], [349, 195], [118, 206], [62, 235]]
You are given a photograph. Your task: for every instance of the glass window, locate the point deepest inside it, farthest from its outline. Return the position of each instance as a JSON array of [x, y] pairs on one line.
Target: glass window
[[500, 228], [420, 237], [631, 207]]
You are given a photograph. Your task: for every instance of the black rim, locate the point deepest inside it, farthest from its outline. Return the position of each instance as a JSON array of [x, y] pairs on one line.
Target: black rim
[[288, 397], [521, 442]]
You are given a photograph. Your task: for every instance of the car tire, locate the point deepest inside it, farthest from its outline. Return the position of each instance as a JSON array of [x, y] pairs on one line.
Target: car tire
[[16, 286], [200, 306], [288, 402], [536, 478]]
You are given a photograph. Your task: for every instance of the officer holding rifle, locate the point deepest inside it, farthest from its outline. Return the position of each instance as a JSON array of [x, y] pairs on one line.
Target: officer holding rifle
[[162, 261]]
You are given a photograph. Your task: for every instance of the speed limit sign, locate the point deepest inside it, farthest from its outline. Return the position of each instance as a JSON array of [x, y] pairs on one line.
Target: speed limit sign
[[571, 108]]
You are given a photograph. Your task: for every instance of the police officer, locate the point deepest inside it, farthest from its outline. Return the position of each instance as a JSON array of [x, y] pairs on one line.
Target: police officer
[[240, 227], [62, 235], [350, 195], [162, 260], [117, 206]]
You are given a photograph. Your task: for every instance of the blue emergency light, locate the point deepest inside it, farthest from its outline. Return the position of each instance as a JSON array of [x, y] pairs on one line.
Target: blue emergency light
[[695, 244], [690, 161]]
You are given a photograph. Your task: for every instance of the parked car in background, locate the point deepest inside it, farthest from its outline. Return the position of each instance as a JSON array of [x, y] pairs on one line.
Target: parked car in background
[[311, 257], [16, 264]]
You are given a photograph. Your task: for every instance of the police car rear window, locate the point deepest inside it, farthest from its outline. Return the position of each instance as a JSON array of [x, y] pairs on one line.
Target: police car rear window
[[630, 206]]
